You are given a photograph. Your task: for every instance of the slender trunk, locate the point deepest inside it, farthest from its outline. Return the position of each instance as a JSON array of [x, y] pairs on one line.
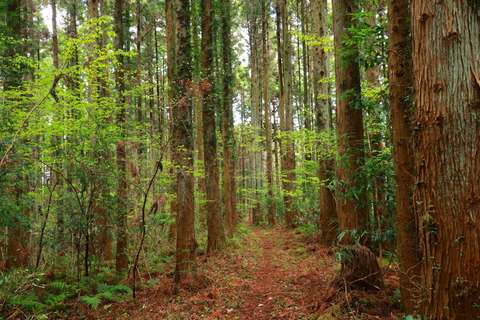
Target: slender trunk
[[121, 259], [171, 65], [401, 89], [286, 112], [256, 106], [266, 103], [328, 213], [229, 180]]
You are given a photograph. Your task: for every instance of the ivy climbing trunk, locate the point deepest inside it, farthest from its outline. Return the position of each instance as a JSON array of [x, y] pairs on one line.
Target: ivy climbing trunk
[[182, 136], [229, 181], [401, 85], [121, 258], [215, 223], [351, 192], [446, 65]]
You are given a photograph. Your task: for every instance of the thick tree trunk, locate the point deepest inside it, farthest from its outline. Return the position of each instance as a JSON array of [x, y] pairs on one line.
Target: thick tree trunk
[[215, 222], [446, 64], [401, 85], [182, 135], [328, 213], [351, 192]]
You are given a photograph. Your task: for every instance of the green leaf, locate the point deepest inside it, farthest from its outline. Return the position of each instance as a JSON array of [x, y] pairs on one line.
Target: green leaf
[[93, 302]]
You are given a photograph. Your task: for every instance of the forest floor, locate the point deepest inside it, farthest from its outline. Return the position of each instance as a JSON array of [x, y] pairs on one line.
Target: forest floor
[[265, 273]]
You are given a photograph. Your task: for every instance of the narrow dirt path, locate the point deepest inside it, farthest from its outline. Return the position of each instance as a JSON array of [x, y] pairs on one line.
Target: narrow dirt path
[[265, 273]]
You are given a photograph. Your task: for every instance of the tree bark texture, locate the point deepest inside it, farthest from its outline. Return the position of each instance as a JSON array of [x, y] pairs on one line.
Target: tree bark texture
[[229, 181], [121, 258], [286, 114], [182, 135], [401, 90], [351, 192], [266, 103], [320, 71], [170, 31], [215, 223], [446, 64]]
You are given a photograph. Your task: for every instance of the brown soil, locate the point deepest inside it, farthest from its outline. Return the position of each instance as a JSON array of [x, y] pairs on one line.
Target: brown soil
[[268, 273]]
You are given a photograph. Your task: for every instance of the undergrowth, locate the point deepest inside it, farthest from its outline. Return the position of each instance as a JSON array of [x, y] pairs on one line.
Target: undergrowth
[[36, 296]]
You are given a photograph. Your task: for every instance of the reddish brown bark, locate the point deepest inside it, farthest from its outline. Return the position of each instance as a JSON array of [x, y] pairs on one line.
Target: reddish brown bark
[[352, 208], [328, 213], [215, 224], [401, 83], [286, 112], [229, 181], [266, 104], [182, 136], [446, 64]]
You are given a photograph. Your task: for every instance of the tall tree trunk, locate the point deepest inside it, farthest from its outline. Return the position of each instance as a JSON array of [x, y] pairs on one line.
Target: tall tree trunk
[[401, 85], [446, 64], [182, 135], [171, 65], [286, 112], [229, 181], [121, 258], [17, 237], [328, 213], [215, 223], [266, 103], [352, 209], [256, 108]]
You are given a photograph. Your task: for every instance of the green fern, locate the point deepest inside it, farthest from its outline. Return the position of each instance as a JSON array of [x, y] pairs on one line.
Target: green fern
[[59, 286], [28, 303], [93, 302], [120, 288], [55, 300]]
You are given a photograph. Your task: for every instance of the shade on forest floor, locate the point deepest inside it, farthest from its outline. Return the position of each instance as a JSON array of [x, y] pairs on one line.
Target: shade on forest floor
[[265, 273]]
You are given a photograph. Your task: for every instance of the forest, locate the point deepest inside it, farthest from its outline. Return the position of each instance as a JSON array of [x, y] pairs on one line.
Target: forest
[[229, 159]]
